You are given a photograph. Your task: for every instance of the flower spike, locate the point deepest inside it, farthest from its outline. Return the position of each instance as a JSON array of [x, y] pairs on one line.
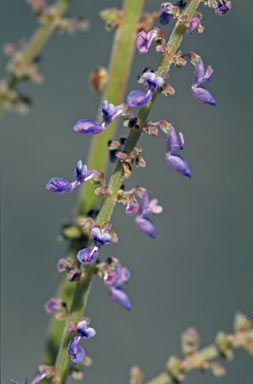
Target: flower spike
[[202, 76], [81, 174]]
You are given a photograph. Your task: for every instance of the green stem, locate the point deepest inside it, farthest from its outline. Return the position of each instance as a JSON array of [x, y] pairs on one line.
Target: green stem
[[82, 287], [37, 43], [121, 59]]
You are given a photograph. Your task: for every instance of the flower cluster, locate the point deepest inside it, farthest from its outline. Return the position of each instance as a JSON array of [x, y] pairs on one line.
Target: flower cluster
[[136, 200], [48, 14], [221, 7], [18, 65], [11, 99], [23, 65], [84, 332]]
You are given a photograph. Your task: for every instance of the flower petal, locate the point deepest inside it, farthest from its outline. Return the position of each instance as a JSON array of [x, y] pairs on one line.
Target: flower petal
[[123, 276], [38, 378], [199, 72], [100, 238], [120, 297], [87, 255], [164, 16], [138, 98], [172, 141], [59, 185], [179, 164], [88, 127], [144, 205], [146, 226], [84, 331], [144, 40], [203, 95], [75, 351], [154, 208]]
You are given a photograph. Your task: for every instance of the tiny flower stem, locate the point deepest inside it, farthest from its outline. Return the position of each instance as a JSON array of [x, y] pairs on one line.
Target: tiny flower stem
[[36, 44], [82, 287], [206, 354], [121, 59]]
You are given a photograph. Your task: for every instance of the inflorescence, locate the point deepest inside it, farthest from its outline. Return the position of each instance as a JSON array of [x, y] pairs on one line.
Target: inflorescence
[[112, 273]]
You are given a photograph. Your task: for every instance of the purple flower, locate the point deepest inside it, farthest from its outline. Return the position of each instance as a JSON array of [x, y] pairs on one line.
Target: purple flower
[[165, 16], [81, 174], [117, 276], [144, 40], [87, 255], [99, 238], [75, 351], [202, 76], [114, 278], [53, 305], [88, 127], [108, 112], [175, 161], [84, 331], [147, 207], [223, 7], [195, 23], [138, 98]]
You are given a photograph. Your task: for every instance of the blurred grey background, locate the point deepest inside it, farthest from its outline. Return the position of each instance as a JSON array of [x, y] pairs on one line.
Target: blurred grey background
[[199, 269]]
